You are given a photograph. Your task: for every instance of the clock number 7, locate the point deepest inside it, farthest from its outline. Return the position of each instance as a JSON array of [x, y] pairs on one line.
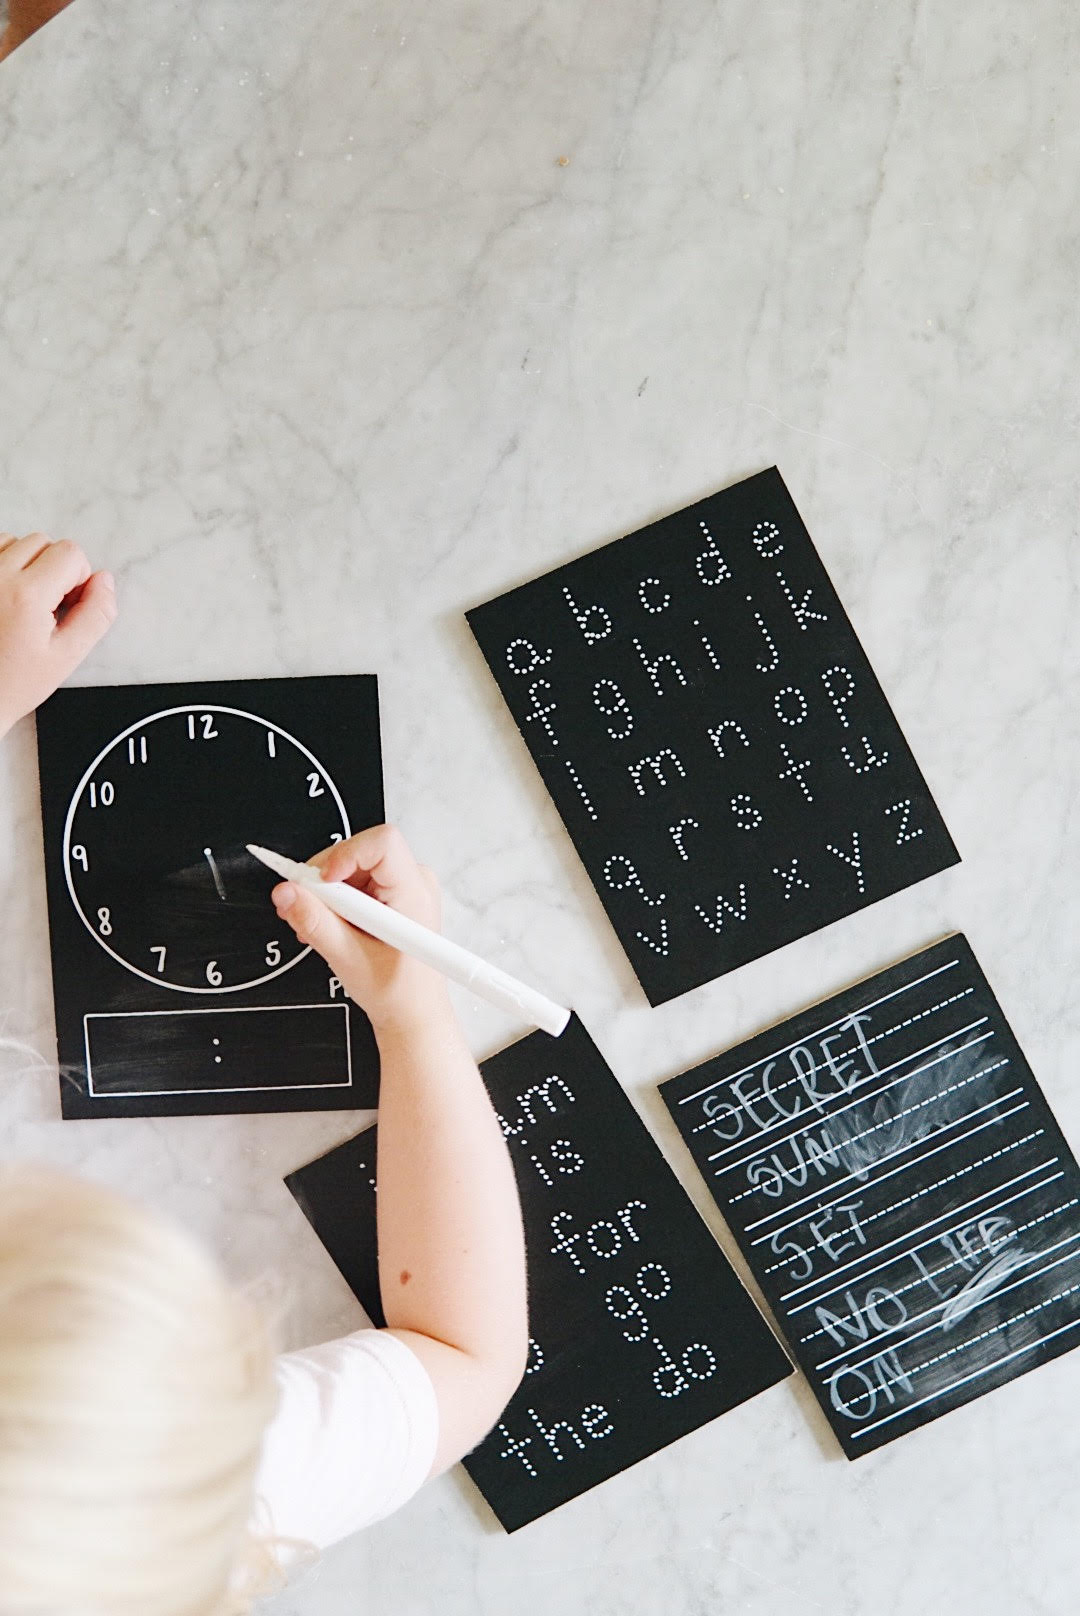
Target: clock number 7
[[209, 733], [159, 950]]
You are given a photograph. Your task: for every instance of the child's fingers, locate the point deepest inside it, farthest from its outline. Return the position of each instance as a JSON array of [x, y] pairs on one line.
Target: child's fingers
[[58, 569], [381, 861], [88, 618], [317, 926], [21, 552]]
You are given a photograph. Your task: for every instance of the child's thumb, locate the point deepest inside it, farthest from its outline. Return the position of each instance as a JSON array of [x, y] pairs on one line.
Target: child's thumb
[[316, 926]]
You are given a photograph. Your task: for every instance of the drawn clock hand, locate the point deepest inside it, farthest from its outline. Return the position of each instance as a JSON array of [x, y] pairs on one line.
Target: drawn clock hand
[[216, 873]]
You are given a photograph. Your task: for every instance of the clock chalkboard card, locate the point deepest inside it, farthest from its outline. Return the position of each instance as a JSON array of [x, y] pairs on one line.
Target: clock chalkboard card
[[640, 1330], [901, 1191], [177, 988], [713, 736]]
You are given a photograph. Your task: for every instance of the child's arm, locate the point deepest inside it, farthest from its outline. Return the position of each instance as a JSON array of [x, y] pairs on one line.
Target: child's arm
[[451, 1246], [53, 610]]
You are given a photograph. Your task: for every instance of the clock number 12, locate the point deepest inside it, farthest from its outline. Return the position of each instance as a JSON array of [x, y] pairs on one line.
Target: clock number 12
[[209, 733]]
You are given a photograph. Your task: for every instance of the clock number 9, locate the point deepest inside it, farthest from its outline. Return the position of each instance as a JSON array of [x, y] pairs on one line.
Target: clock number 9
[[213, 975], [79, 856]]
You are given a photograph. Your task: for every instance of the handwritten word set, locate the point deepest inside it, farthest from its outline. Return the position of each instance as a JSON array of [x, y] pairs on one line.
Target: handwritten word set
[[641, 1331], [901, 1191], [177, 988], [713, 736]]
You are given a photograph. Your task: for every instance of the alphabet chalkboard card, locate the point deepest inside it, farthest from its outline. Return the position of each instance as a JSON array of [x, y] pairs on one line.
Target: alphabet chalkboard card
[[713, 736], [177, 988], [641, 1331], [901, 1191]]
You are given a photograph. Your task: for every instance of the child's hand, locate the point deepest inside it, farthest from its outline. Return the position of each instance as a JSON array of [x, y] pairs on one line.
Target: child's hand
[[53, 610], [394, 990]]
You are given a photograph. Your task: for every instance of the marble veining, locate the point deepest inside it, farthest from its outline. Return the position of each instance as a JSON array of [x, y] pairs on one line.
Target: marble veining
[[309, 332]]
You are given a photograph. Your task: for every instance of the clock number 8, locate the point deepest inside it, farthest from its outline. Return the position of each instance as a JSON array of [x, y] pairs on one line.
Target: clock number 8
[[104, 923]]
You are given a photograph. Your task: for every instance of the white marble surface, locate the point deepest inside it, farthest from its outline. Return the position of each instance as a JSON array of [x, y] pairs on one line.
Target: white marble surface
[[307, 334]]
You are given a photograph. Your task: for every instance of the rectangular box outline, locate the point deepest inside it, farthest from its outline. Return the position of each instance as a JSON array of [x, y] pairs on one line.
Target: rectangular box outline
[[226, 1009]]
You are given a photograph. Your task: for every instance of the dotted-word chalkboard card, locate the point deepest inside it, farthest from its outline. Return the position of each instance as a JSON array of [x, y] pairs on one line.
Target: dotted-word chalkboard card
[[177, 988], [901, 1191], [640, 1329], [713, 736]]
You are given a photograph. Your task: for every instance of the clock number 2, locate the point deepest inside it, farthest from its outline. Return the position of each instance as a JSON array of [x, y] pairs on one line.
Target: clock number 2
[[314, 785], [209, 733]]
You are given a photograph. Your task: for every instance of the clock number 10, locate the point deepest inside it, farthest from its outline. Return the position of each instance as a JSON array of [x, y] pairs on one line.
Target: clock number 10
[[104, 794]]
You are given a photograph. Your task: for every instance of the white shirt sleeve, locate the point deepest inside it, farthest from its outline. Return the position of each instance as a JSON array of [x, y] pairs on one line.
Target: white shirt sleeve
[[353, 1438]]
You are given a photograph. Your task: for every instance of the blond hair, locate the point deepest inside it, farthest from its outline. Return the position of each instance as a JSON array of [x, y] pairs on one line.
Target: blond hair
[[135, 1387]]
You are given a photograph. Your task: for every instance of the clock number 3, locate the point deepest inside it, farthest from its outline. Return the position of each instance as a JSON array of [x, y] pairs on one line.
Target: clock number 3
[[209, 733]]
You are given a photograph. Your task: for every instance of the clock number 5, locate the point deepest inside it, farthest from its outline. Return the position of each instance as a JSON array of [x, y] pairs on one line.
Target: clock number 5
[[209, 733], [213, 975], [273, 952]]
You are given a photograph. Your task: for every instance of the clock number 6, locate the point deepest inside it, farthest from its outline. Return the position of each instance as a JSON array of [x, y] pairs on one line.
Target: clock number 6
[[213, 975]]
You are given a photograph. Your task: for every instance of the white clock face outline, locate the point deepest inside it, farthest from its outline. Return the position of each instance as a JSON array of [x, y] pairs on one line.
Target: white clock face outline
[[142, 723]]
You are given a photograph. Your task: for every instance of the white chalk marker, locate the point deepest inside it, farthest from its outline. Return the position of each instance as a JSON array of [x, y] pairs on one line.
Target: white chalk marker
[[430, 947]]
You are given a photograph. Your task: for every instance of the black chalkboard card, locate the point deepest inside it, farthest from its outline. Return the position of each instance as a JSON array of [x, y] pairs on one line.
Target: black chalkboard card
[[713, 736], [177, 988], [641, 1331], [901, 1191]]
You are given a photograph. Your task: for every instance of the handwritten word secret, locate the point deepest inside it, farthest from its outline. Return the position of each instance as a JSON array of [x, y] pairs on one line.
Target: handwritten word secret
[[713, 735]]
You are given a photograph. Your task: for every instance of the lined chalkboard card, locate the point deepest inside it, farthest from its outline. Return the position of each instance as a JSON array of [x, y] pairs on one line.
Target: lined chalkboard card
[[177, 988], [641, 1331], [713, 736], [901, 1191]]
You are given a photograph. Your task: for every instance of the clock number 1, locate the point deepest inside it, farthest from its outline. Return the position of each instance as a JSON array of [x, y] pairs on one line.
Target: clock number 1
[[209, 733]]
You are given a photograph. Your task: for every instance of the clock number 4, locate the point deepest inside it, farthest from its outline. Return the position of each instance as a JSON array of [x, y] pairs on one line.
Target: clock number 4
[[209, 733]]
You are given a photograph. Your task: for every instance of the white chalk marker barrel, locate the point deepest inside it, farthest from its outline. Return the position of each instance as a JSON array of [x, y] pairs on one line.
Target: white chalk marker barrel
[[430, 947]]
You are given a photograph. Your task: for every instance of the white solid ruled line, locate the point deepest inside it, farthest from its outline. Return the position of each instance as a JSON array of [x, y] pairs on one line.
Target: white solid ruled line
[[848, 1015], [872, 1183], [870, 1094], [899, 1239], [987, 1369], [1021, 1279], [874, 1038]]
